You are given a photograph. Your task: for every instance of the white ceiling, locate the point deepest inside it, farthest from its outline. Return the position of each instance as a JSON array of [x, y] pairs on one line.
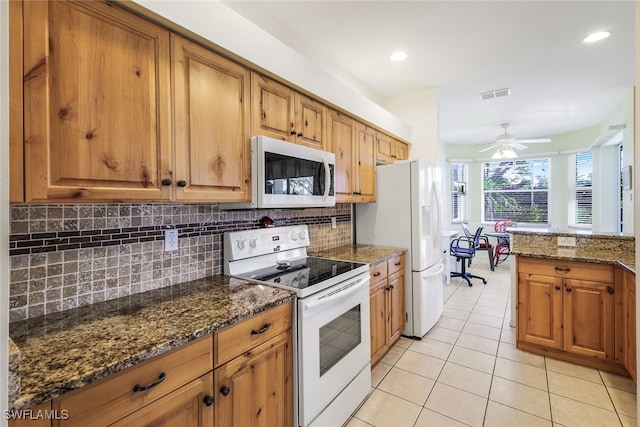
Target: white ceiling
[[558, 84]]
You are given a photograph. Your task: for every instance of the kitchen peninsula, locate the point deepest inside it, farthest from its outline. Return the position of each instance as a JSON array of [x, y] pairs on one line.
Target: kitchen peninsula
[[575, 297]]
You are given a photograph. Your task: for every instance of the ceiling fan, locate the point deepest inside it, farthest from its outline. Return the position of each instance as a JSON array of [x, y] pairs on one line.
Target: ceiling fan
[[505, 143]]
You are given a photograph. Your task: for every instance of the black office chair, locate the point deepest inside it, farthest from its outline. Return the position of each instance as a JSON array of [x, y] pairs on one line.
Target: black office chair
[[483, 245], [464, 249]]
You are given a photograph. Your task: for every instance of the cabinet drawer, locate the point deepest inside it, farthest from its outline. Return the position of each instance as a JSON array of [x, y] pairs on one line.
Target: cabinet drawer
[[378, 272], [236, 339], [568, 269], [113, 398], [396, 264]]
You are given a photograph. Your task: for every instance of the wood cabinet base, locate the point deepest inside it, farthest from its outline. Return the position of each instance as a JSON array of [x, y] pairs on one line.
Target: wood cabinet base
[[604, 365]]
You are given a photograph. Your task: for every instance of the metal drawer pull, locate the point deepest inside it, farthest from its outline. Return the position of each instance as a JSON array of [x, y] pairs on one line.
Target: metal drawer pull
[[564, 270], [376, 274], [557, 288], [225, 390], [398, 263], [262, 330], [139, 387]]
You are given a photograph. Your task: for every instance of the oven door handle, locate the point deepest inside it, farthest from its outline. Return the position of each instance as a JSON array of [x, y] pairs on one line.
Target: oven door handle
[[340, 295], [327, 179]]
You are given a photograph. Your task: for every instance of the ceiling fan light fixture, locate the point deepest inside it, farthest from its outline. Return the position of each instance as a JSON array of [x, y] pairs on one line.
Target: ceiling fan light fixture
[[596, 37], [508, 153], [398, 56], [497, 155]]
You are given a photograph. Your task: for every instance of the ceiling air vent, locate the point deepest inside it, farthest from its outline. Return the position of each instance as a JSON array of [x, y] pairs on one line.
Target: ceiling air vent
[[495, 93], [617, 127]]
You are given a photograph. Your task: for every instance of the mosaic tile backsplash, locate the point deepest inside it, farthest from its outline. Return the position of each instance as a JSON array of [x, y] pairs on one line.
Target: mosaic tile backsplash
[[67, 256]]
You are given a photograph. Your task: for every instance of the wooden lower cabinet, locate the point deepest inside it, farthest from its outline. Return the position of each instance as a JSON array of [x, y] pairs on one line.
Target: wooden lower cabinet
[[386, 300], [567, 310], [255, 389], [629, 324]]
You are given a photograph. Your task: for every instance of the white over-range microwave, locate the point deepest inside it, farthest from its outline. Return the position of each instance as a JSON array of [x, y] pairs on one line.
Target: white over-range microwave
[[288, 175]]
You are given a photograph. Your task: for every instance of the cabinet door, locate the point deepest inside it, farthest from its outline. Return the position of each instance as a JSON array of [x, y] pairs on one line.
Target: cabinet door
[[540, 310], [272, 108], [341, 133], [189, 406], [378, 314], [629, 323], [211, 124], [396, 306], [255, 389], [400, 150], [16, 142], [365, 164], [589, 318], [311, 118], [384, 145], [96, 104]]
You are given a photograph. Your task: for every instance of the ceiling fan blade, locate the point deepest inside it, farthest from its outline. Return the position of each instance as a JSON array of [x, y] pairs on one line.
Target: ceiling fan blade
[[535, 141], [519, 146], [491, 147]]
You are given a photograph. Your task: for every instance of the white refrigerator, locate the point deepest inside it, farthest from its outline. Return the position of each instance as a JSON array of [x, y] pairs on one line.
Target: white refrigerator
[[407, 215]]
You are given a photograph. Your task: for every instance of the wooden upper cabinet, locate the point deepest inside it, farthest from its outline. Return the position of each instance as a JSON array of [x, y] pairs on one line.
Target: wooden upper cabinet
[[282, 113], [273, 108], [365, 164], [211, 125], [390, 149], [341, 131], [16, 145], [96, 104], [311, 117]]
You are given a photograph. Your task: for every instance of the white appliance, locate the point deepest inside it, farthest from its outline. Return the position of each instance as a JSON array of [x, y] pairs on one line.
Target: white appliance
[[407, 215], [332, 348], [288, 175]]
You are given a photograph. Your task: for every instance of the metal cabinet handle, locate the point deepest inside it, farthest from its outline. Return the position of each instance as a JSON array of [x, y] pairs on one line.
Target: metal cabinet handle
[[262, 330], [208, 400], [300, 134], [557, 287], [139, 387], [166, 181], [182, 183], [225, 390], [376, 274], [564, 270], [568, 289], [398, 263], [293, 132]]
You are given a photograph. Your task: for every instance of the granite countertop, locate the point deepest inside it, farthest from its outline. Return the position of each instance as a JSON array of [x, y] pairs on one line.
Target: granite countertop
[[63, 351], [572, 232], [626, 260], [367, 254]]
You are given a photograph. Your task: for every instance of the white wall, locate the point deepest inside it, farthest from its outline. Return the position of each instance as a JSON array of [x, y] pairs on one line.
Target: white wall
[[4, 206], [226, 28], [420, 111]]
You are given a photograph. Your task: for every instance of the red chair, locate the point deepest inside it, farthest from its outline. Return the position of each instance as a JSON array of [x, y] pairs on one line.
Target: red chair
[[502, 249]]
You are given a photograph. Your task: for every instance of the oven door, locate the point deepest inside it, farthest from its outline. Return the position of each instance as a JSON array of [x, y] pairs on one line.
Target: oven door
[[333, 343], [291, 175]]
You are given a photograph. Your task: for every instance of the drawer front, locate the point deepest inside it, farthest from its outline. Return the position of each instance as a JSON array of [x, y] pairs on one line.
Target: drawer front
[[396, 264], [234, 340], [566, 269], [113, 398], [378, 272]]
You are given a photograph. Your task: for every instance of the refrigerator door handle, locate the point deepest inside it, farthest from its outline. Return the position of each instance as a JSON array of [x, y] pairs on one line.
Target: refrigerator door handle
[[440, 270]]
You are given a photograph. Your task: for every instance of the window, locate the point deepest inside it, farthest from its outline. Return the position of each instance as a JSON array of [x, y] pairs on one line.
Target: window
[[517, 190], [583, 184], [458, 190]]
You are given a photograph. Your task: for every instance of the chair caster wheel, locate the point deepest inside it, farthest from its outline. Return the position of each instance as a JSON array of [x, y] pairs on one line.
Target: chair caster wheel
[[484, 281]]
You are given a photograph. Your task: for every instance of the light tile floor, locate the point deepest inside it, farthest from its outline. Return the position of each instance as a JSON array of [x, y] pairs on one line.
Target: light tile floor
[[467, 371]]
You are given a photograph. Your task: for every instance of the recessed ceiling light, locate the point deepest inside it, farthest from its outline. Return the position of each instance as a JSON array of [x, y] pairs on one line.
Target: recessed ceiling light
[[595, 37], [398, 56]]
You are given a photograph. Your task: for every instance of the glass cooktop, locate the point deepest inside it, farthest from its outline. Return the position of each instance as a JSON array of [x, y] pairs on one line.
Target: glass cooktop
[[302, 273]]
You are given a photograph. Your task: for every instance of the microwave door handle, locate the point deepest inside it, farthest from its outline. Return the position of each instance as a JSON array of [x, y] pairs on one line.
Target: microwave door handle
[[327, 179]]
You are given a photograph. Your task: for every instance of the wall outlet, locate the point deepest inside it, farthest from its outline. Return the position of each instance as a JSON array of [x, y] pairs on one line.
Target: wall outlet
[[171, 240], [566, 241], [334, 224]]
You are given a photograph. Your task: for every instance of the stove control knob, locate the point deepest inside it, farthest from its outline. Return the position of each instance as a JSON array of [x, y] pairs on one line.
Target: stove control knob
[[253, 243], [241, 244], [303, 235], [294, 236]]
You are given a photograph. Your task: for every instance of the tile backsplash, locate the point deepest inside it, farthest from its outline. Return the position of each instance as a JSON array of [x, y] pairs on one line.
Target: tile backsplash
[[66, 256]]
